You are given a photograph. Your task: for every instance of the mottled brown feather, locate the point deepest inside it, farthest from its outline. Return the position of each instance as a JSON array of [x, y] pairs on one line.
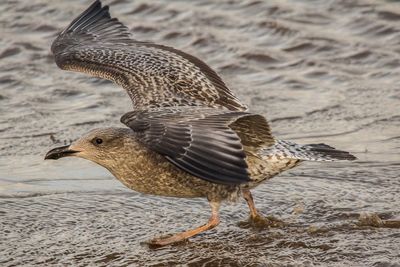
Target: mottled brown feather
[[207, 143], [154, 75]]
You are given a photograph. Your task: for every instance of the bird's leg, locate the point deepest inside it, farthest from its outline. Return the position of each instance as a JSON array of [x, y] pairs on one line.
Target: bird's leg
[[213, 221], [256, 219], [250, 202]]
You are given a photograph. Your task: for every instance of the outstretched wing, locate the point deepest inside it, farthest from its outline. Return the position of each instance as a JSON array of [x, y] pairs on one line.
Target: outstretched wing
[[202, 142], [153, 75]]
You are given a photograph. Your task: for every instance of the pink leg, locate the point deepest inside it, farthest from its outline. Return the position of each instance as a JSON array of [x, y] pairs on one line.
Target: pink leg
[[250, 202], [212, 222]]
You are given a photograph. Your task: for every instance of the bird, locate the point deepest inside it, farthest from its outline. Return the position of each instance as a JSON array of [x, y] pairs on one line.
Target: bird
[[188, 135]]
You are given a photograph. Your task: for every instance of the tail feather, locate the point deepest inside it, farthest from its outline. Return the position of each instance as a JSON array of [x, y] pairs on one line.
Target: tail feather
[[312, 152], [326, 151]]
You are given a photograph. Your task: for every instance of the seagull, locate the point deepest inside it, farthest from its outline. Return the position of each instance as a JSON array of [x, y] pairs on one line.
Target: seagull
[[188, 135]]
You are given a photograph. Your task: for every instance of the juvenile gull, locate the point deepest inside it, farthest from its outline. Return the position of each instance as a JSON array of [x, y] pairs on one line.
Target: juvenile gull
[[193, 139]]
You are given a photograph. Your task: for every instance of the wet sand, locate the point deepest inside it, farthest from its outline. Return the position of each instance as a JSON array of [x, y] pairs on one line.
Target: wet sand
[[321, 71]]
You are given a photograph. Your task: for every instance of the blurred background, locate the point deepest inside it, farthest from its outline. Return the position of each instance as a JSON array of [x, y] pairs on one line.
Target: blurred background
[[320, 71]]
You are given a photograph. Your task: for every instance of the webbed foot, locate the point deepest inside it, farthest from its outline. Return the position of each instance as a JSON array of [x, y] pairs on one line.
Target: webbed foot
[[166, 240], [261, 222]]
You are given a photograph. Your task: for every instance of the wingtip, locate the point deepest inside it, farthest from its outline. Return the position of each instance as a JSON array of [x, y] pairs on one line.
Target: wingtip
[[94, 22], [351, 157], [89, 16]]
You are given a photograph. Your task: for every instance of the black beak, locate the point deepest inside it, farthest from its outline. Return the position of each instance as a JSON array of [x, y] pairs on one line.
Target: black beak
[[60, 152]]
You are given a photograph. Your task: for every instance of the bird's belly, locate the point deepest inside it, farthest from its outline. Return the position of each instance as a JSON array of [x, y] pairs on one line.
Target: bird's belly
[[163, 183], [153, 174]]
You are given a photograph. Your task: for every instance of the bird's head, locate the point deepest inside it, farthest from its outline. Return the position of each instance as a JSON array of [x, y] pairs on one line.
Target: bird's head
[[103, 146]]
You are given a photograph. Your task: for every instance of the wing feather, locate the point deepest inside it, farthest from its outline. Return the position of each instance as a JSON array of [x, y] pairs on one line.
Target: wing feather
[[202, 142], [154, 75]]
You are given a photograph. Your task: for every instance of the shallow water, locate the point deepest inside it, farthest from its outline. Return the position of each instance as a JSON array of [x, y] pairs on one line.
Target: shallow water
[[321, 71]]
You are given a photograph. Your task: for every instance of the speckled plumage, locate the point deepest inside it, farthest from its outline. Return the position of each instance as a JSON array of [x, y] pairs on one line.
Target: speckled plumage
[[208, 143], [153, 75], [188, 135]]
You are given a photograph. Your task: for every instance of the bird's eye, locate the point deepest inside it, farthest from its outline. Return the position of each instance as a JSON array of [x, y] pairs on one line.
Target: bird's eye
[[98, 141]]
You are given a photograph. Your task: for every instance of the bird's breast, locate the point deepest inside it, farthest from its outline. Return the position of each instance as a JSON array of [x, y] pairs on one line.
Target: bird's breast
[[150, 173]]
